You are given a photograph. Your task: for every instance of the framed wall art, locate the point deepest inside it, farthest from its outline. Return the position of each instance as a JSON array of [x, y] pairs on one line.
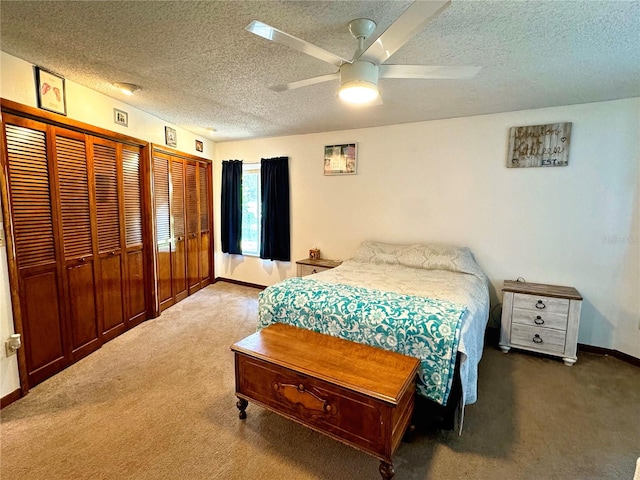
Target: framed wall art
[[120, 117], [539, 145], [50, 91], [170, 137], [199, 146], [340, 159]]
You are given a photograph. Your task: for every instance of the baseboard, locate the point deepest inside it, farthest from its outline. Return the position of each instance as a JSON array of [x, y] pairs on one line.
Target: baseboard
[[10, 398], [625, 357], [238, 282], [492, 338]]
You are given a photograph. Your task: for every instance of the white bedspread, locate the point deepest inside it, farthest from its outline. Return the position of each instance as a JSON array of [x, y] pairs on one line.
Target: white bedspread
[[470, 289]]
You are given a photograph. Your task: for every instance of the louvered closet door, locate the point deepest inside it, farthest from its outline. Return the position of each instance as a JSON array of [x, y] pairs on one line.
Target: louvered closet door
[[178, 220], [39, 281], [204, 200], [193, 230], [110, 232], [163, 228], [79, 259], [136, 304]]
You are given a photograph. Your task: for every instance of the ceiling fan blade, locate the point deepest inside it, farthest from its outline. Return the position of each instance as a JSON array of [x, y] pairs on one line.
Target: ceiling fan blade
[[270, 33], [305, 83], [427, 71], [399, 32]]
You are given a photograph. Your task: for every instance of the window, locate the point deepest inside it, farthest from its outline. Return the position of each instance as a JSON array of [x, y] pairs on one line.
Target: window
[[251, 209]]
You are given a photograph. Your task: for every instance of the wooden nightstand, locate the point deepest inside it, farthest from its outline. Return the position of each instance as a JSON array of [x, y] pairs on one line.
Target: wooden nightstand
[[309, 266], [541, 318]]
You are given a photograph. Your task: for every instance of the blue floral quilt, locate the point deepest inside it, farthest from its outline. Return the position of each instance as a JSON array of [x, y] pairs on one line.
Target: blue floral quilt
[[421, 327]]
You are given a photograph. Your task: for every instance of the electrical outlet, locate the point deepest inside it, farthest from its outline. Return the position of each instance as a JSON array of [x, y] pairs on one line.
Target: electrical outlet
[[13, 344]]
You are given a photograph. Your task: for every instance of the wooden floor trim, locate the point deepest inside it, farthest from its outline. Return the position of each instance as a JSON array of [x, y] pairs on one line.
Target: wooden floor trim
[[492, 336], [238, 282], [625, 357], [10, 398]]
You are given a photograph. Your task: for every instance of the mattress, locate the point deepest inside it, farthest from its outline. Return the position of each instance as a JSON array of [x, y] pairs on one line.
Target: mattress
[[447, 278]]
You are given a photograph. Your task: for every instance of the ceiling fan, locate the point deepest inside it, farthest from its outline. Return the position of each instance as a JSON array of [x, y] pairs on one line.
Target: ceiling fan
[[359, 76]]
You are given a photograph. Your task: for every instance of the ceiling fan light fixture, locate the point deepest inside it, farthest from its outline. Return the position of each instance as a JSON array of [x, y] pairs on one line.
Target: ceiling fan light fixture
[[358, 92], [127, 88], [358, 82]]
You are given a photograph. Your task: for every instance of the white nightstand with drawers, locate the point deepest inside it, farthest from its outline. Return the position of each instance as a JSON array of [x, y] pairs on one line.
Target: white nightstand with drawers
[[541, 318], [309, 266]]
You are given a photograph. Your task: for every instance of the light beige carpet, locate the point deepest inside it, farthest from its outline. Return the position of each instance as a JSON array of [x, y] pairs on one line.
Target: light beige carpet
[[158, 403]]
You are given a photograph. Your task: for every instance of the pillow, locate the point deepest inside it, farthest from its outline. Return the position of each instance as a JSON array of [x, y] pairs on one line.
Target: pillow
[[429, 256]]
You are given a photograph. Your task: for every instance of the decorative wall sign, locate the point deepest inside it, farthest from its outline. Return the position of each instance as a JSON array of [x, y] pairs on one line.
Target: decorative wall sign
[[199, 146], [170, 137], [340, 159], [51, 93], [539, 145], [120, 117]]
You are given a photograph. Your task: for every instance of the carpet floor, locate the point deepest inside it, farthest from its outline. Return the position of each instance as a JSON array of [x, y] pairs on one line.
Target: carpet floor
[[158, 403]]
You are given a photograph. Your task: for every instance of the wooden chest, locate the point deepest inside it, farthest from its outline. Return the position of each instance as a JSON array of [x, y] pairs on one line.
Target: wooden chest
[[360, 395]]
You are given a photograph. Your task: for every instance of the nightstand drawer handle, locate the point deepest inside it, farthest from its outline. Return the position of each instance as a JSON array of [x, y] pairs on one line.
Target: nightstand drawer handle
[[540, 305], [314, 271], [538, 320], [537, 339]]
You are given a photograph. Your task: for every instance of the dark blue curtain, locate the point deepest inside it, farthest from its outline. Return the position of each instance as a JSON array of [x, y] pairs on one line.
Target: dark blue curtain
[[231, 206], [275, 228]]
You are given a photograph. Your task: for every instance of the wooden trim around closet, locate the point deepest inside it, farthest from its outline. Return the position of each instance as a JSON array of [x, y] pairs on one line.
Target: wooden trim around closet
[[148, 226], [40, 115], [12, 264], [157, 148]]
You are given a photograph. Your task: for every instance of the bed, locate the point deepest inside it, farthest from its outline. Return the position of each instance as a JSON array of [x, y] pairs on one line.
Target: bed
[[426, 301]]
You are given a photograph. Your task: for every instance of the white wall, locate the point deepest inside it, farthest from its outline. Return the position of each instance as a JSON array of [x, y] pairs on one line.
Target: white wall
[[89, 106], [446, 181], [85, 105]]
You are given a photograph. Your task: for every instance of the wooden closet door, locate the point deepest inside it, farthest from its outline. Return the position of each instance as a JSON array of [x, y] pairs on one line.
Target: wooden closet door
[[109, 222], [204, 202], [163, 229], [39, 278], [78, 256], [179, 253], [193, 230], [136, 304]]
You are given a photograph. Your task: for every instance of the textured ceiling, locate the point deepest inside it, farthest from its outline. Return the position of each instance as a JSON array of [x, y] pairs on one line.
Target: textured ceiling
[[199, 68]]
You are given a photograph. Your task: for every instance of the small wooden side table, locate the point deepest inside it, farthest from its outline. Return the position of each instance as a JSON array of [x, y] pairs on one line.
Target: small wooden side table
[[309, 266]]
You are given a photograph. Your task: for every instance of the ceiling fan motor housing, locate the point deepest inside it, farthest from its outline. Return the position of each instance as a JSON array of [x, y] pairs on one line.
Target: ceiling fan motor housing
[[359, 72]]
